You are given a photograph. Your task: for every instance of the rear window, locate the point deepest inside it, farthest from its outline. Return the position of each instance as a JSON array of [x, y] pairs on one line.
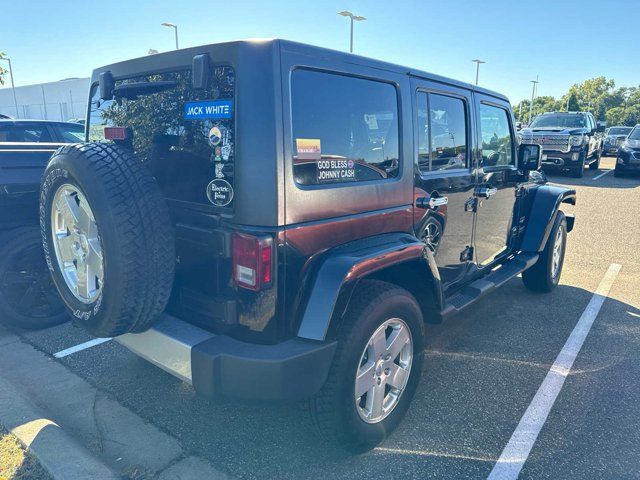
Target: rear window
[[24, 133], [184, 135], [345, 129]]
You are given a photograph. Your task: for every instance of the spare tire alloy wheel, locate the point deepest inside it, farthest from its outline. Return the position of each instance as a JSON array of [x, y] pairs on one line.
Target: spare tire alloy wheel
[[383, 371], [77, 244]]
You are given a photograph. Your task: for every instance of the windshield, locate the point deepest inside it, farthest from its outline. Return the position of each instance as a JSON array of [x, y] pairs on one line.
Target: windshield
[[635, 134], [554, 120], [619, 131]]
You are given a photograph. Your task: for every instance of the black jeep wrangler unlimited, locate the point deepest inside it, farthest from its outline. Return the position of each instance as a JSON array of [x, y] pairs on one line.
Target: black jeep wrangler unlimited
[[273, 221]]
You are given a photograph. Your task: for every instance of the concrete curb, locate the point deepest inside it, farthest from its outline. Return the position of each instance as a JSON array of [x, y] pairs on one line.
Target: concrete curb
[[56, 451]]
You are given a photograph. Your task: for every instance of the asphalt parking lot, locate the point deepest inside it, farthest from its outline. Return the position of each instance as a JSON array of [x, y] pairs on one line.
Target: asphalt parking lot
[[483, 370]]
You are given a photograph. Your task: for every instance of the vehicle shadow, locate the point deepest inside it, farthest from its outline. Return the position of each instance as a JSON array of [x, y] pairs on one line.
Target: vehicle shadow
[[461, 417], [591, 179]]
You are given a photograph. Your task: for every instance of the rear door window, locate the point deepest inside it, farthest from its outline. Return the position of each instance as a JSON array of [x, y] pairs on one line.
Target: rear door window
[[345, 129], [442, 132], [24, 133]]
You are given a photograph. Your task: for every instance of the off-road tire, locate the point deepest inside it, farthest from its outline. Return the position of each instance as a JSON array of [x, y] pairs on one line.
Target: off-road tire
[[595, 165], [578, 172], [135, 234], [539, 277], [28, 298], [333, 409]]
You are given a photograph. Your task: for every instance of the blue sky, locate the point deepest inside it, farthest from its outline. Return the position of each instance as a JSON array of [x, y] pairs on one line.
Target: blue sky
[[562, 41]]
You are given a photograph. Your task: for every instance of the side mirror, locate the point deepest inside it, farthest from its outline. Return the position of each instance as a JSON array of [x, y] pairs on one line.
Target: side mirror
[[200, 72], [529, 157], [107, 85]]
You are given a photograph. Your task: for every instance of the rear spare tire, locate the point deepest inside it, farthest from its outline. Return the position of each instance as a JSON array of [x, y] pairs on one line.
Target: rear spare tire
[[107, 236]]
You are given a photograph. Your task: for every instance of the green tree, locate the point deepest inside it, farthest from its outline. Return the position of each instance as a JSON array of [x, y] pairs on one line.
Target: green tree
[[592, 94]]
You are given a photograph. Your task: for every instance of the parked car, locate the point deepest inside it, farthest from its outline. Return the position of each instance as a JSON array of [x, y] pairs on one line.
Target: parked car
[[292, 245], [28, 298], [613, 138], [628, 160], [569, 140]]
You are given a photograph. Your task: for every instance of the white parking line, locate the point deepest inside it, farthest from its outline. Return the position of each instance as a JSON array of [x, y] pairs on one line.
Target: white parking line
[[602, 174], [82, 346], [517, 450]]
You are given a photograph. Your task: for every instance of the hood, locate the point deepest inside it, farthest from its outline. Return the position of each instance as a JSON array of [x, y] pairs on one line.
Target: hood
[[553, 130], [632, 143]]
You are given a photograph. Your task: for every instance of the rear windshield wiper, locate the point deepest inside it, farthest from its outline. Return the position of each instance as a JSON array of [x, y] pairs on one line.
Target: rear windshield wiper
[[131, 91]]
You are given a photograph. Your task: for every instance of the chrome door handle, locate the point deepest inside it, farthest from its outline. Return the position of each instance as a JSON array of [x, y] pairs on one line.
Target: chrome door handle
[[485, 192], [435, 202], [432, 203]]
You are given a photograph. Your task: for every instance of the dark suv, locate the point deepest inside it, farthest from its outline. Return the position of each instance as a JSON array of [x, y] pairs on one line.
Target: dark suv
[[273, 221], [569, 140]]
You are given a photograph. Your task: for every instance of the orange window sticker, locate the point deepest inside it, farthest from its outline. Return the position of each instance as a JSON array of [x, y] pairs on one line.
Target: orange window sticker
[[308, 148]]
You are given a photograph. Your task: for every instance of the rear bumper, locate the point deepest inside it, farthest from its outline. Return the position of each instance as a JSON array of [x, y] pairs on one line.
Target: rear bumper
[[219, 366]]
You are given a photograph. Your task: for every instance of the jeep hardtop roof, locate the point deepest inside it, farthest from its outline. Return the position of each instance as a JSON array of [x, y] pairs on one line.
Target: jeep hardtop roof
[[168, 60]]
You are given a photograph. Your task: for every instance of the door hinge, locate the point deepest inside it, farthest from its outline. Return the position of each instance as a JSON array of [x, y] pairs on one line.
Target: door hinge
[[467, 254]]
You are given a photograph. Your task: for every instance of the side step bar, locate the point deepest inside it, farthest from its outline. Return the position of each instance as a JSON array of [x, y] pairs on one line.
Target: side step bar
[[488, 283]]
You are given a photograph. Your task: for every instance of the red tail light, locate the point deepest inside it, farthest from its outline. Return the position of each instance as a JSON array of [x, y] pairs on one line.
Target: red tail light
[[252, 260], [116, 133]]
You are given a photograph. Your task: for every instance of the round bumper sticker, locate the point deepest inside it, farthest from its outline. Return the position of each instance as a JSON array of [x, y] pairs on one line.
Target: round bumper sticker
[[220, 192], [215, 135]]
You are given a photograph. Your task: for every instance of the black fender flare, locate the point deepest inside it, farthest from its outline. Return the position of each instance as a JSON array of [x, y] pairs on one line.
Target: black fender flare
[[542, 214], [342, 267]]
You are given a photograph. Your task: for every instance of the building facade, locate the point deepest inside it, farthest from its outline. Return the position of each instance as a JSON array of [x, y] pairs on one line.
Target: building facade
[[61, 100]]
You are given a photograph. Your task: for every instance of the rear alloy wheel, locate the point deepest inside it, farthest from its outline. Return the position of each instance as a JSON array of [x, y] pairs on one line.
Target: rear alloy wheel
[[28, 298], [384, 369], [376, 368]]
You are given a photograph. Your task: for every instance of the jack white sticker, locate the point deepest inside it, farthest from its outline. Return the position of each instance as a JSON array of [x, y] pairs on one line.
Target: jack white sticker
[[220, 192]]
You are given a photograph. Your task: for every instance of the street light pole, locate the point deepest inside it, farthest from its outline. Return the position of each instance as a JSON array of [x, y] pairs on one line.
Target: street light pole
[[352, 17], [477, 62], [533, 91], [175, 28], [13, 87]]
